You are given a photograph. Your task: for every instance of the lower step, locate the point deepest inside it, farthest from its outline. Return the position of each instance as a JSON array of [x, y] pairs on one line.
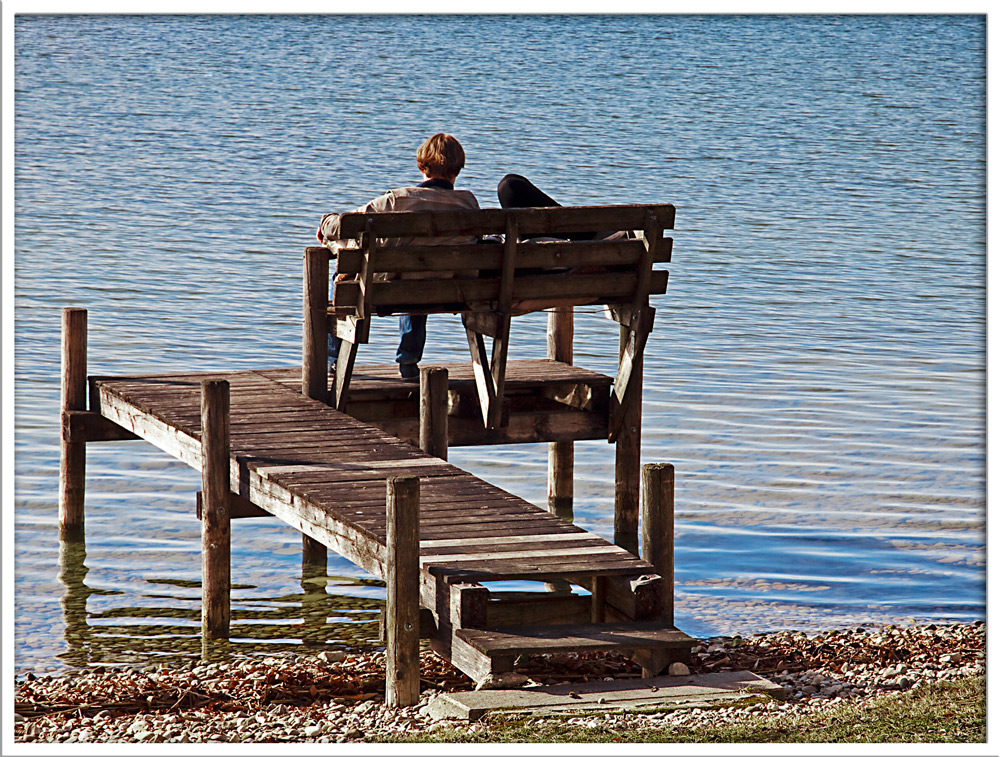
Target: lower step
[[518, 640]]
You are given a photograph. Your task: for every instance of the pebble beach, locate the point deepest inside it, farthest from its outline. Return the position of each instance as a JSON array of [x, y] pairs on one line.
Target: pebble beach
[[337, 697]]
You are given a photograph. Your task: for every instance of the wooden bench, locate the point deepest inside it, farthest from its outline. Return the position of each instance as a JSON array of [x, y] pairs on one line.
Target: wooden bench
[[395, 264]]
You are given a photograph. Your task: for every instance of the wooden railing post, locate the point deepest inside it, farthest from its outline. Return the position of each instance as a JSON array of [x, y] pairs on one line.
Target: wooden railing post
[[658, 528], [315, 324], [627, 459], [402, 592], [315, 331], [73, 455], [434, 411], [560, 347], [215, 525]]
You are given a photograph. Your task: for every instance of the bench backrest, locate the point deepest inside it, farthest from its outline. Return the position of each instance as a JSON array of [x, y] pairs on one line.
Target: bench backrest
[[519, 275]]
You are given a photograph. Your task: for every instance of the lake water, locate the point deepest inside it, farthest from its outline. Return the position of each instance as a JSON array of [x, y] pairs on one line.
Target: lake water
[[817, 370]]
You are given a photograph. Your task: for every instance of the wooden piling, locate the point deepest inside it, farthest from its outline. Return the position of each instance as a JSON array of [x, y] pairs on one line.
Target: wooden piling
[[658, 528], [434, 411], [215, 525], [315, 323], [402, 592], [73, 454], [559, 346], [314, 554], [598, 598], [315, 330], [627, 461]]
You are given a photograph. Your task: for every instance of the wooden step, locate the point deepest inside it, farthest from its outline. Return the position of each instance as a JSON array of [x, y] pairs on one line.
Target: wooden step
[[518, 640]]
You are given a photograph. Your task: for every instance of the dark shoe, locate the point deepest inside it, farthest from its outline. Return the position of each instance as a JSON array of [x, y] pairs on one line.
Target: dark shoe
[[409, 371]]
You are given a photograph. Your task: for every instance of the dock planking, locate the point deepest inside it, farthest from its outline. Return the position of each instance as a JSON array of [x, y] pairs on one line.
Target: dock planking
[[298, 458], [326, 473], [544, 401]]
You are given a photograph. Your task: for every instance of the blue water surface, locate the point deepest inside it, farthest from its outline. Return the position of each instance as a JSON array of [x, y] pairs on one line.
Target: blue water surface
[[817, 369]]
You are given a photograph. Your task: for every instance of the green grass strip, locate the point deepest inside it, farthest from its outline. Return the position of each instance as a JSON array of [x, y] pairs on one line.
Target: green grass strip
[[945, 711]]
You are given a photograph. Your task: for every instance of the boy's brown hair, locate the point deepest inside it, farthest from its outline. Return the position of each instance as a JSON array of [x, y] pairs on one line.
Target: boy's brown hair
[[440, 156]]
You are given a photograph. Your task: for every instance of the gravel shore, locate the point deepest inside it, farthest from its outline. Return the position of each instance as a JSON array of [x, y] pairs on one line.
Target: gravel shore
[[333, 697]]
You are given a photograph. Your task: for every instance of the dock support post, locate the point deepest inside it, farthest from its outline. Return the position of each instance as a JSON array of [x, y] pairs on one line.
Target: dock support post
[[627, 459], [402, 591], [315, 331], [215, 525], [434, 411], [73, 455], [315, 322], [559, 346], [313, 555], [658, 528]]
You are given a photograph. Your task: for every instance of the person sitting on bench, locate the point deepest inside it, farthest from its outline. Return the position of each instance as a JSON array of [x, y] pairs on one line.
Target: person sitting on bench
[[440, 159], [516, 191]]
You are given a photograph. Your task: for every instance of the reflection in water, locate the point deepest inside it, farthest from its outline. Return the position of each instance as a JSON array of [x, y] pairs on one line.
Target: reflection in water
[[72, 575], [309, 620]]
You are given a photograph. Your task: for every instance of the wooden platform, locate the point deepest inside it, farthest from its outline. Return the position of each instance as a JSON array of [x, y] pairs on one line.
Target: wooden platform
[[324, 473], [545, 401]]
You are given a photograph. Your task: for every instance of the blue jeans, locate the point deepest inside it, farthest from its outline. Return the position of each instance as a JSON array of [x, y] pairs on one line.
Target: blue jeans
[[412, 335]]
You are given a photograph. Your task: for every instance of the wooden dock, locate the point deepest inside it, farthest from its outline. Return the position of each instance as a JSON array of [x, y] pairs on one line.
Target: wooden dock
[[357, 462], [324, 473]]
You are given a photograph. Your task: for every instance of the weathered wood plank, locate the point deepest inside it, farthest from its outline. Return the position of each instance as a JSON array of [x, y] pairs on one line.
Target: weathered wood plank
[[87, 426], [553, 220], [239, 507], [170, 439], [586, 638], [383, 380], [500, 553], [520, 428], [522, 571], [537, 608], [537, 254], [576, 534], [454, 295]]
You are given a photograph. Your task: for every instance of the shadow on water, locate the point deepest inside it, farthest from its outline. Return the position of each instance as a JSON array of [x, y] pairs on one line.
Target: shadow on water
[[310, 620]]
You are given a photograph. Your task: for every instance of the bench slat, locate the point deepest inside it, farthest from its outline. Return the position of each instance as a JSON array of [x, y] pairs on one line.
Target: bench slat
[[419, 258], [493, 221], [454, 295]]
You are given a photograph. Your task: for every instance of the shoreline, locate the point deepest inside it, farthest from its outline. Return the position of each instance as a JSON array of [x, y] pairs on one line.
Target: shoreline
[[336, 698]]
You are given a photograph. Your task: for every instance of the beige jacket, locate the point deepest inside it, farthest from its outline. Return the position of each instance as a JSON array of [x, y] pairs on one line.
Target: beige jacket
[[411, 199], [405, 198]]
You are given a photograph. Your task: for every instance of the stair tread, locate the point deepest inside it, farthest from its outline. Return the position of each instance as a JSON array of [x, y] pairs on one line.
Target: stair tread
[[591, 637]]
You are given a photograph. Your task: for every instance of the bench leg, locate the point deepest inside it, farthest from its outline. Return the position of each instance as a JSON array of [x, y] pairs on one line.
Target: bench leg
[[342, 380], [490, 373], [629, 379]]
